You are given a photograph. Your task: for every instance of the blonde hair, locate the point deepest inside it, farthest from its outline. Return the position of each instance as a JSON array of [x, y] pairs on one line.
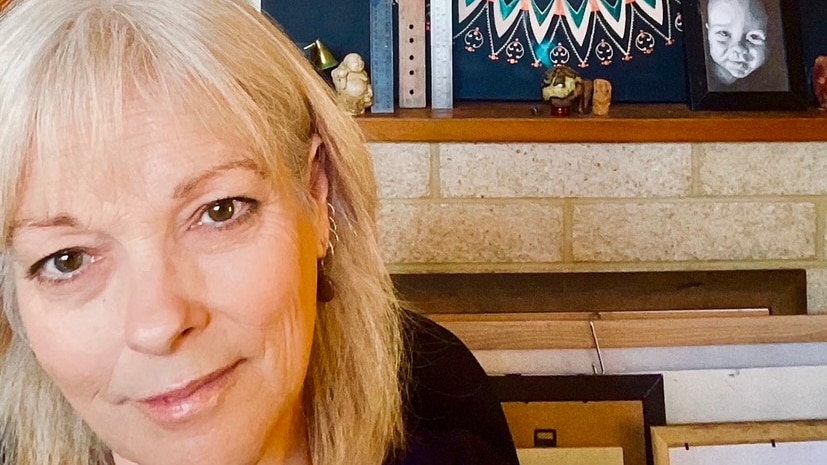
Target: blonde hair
[[75, 64]]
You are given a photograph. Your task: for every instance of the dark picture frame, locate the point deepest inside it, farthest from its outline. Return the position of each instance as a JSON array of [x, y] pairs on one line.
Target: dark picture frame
[[646, 389], [744, 55]]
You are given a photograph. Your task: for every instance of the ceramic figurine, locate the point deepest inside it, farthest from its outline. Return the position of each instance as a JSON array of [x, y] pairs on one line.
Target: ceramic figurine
[[563, 87], [820, 81], [602, 99], [353, 89]]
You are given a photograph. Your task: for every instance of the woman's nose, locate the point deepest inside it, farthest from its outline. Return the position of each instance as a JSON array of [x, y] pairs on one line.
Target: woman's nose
[[161, 311]]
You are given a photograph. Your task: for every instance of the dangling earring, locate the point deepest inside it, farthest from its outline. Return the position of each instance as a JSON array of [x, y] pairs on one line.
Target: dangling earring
[[325, 290], [324, 286]]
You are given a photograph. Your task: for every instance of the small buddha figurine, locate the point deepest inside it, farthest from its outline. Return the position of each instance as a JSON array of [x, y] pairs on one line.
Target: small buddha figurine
[[353, 89], [820, 81], [602, 99]]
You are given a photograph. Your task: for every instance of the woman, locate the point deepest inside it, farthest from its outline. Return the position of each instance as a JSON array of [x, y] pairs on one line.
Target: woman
[[190, 269]]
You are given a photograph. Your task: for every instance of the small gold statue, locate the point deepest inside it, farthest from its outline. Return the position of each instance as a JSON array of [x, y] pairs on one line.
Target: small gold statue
[[602, 99], [353, 89]]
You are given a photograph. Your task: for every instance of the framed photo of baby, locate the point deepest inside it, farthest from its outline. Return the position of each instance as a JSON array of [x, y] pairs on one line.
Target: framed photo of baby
[[744, 55]]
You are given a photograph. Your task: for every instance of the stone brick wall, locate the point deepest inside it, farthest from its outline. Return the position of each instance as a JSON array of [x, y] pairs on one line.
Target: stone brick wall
[[605, 207]]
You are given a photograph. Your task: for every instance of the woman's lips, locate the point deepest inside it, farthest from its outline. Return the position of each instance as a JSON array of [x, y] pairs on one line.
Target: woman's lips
[[182, 404]]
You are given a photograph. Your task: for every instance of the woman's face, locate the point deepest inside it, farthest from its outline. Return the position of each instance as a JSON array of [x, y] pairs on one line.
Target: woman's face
[[737, 36], [169, 291]]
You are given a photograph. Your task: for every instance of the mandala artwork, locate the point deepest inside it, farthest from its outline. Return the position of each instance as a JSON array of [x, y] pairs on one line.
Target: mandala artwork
[[541, 33]]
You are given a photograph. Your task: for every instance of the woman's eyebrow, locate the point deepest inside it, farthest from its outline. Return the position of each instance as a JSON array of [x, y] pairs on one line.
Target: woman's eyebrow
[[186, 186], [181, 190], [61, 220]]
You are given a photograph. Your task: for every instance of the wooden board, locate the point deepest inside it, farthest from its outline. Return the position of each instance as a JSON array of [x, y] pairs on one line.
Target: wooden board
[[571, 456], [784, 292], [668, 332], [589, 316], [653, 359], [665, 438], [516, 122], [412, 54]]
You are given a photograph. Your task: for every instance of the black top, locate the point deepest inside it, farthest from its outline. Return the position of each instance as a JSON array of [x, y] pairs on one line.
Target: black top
[[451, 447], [452, 416]]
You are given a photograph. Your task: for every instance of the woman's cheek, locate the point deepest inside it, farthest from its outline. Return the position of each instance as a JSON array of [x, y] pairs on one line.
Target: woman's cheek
[[78, 361], [73, 336], [255, 282]]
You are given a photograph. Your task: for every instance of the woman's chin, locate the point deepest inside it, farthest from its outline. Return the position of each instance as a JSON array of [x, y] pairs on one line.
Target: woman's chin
[[181, 454], [219, 424]]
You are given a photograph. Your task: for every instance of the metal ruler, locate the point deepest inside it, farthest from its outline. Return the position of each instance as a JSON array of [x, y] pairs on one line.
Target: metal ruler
[[442, 62], [412, 53], [381, 55]]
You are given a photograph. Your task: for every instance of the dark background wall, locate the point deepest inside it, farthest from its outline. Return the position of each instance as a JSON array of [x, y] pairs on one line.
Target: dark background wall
[[343, 25]]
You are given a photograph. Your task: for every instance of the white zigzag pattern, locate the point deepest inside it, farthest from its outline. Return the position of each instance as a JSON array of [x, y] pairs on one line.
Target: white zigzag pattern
[[655, 13], [617, 25], [540, 27], [579, 31], [465, 9], [501, 22]]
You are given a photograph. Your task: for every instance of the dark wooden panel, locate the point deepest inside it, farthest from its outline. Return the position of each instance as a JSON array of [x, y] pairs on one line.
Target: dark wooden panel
[[781, 291]]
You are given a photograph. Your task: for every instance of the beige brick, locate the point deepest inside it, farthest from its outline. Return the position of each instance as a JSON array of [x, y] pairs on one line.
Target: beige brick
[[678, 231], [764, 168], [565, 170], [471, 233], [402, 170], [817, 290]]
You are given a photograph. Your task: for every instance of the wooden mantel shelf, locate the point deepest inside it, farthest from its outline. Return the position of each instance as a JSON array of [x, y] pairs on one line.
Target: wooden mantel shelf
[[520, 122]]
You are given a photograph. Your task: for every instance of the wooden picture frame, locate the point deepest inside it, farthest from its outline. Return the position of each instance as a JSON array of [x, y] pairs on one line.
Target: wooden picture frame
[[685, 437], [744, 55], [647, 390]]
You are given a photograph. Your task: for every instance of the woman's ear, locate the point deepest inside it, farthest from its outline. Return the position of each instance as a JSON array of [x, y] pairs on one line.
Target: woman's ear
[[319, 189]]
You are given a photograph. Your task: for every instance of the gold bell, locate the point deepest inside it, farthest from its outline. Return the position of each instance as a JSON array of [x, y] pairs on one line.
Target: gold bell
[[320, 56]]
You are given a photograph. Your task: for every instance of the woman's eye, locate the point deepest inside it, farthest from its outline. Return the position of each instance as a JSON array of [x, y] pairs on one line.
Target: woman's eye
[[68, 261], [223, 212], [61, 266]]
